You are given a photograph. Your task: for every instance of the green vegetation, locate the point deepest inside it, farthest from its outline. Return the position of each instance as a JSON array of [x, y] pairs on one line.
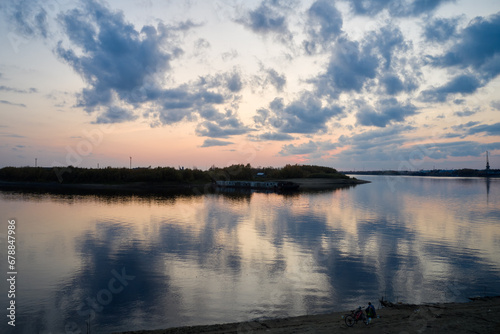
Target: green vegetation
[[109, 175]]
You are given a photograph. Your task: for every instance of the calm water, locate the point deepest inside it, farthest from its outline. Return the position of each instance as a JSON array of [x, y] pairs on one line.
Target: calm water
[[133, 262]]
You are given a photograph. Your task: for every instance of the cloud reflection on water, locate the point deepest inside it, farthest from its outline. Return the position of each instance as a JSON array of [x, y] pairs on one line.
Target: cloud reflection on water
[[231, 257]]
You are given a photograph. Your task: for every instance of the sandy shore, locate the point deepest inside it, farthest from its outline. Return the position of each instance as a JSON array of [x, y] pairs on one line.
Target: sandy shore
[[481, 315]]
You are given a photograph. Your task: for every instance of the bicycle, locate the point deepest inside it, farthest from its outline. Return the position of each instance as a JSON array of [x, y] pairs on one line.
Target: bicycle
[[355, 316]]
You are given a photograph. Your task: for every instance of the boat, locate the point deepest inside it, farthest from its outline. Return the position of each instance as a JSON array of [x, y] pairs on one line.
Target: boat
[[268, 185]]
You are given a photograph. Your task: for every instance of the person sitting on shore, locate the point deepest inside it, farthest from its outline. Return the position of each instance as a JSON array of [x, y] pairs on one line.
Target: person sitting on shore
[[370, 311]]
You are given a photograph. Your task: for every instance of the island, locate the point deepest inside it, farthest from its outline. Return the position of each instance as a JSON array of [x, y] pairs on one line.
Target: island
[[169, 179]]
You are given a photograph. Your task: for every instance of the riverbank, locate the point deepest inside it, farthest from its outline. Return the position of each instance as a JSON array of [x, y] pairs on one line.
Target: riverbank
[[477, 316], [305, 184]]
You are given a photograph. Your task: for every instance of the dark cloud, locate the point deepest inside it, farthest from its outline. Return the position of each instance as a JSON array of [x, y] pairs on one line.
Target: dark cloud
[[220, 125], [16, 90], [305, 115], [350, 66], [234, 83], [387, 40], [268, 18], [215, 142], [114, 58], [386, 112], [354, 64], [440, 30], [124, 69], [324, 25], [397, 8], [464, 126], [466, 112], [476, 52], [463, 84], [115, 115], [13, 104], [394, 84], [472, 128], [487, 129]]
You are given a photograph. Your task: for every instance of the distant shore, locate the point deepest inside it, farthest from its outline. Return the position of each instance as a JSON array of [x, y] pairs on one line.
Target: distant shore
[[477, 316], [306, 184]]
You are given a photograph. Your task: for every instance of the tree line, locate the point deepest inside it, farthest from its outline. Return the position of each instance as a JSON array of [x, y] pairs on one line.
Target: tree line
[[112, 175]]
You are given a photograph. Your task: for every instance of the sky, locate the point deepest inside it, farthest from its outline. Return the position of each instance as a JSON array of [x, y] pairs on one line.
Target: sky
[[354, 85]]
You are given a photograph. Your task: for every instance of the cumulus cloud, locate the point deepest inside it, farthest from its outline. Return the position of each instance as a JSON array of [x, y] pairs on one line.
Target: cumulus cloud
[[268, 18], [124, 69], [440, 30], [394, 84], [350, 66], [463, 84], [115, 59], [304, 115], [397, 8], [324, 25], [386, 111], [219, 125], [475, 53], [353, 64]]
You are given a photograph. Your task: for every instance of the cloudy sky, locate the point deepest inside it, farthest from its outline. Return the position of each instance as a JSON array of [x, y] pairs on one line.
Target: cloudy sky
[[387, 84]]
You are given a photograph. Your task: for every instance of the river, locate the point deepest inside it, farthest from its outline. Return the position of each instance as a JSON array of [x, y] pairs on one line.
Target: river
[[146, 262]]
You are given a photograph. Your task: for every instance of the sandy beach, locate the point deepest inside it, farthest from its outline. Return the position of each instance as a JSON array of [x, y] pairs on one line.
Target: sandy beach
[[481, 315]]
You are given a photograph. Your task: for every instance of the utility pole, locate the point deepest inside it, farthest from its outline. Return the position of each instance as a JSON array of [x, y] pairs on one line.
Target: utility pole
[[130, 162], [36, 162], [487, 162]]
